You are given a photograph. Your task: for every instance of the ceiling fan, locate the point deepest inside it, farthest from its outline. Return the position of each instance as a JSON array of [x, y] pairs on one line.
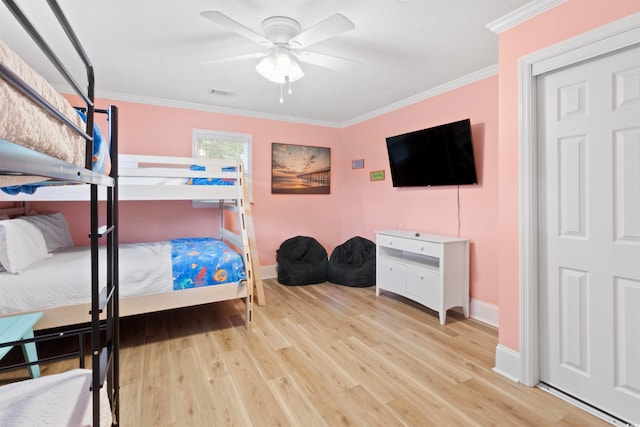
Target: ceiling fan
[[286, 41]]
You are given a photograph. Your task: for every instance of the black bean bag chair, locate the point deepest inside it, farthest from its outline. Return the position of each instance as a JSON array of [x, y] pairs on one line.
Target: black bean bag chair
[[301, 260], [353, 263]]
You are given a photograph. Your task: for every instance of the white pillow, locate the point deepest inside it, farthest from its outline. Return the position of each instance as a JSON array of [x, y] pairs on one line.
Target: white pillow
[[21, 244], [54, 229]]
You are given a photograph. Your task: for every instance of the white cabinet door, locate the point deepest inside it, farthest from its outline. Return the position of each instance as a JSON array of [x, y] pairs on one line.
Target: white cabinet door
[[391, 276], [423, 286], [590, 233]]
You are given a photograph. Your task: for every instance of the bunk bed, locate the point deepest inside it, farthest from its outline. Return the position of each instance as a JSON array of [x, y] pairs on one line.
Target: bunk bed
[[30, 151], [140, 178], [155, 283]]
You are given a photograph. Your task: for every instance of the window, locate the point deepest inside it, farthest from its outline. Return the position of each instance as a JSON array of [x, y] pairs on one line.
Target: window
[[212, 144]]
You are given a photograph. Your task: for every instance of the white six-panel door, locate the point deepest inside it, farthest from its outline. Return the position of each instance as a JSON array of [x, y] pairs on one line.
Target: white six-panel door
[[589, 222]]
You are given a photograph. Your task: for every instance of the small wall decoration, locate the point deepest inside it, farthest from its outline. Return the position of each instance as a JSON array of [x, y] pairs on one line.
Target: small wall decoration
[[300, 169], [357, 164], [376, 175]]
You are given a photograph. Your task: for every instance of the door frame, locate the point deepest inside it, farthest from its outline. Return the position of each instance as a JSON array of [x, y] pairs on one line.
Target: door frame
[[600, 41]]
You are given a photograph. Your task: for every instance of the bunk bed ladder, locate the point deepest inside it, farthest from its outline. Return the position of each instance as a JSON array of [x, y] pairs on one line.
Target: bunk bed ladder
[[245, 241], [253, 248], [105, 357]]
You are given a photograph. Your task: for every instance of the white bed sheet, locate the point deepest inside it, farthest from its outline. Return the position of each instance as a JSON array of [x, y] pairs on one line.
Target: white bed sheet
[[64, 278], [53, 400]]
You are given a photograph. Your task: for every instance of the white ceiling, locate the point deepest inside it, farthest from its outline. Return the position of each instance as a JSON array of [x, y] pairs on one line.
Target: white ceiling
[[155, 51]]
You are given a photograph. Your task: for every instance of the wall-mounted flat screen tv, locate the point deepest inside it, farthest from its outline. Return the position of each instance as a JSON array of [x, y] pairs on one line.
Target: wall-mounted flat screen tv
[[440, 155]]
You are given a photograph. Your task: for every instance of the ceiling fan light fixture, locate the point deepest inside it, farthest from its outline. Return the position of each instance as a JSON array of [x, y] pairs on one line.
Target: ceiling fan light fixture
[[280, 67]]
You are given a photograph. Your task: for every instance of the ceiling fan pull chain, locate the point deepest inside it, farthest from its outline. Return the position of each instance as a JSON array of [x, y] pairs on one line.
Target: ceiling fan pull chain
[[281, 98], [289, 81]]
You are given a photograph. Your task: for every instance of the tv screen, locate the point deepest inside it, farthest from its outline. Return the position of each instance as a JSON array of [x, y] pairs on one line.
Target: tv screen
[[441, 155]]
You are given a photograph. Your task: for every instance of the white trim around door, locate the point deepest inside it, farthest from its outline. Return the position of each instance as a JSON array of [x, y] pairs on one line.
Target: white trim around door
[[617, 35]]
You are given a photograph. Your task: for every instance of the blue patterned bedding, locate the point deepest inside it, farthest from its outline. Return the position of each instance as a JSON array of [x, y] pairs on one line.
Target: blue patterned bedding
[[211, 181], [204, 261]]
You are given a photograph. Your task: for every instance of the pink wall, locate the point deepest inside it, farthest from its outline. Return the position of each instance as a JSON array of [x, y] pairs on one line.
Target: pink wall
[[562, 22], [378, 206], [356, 206], [147, 129]]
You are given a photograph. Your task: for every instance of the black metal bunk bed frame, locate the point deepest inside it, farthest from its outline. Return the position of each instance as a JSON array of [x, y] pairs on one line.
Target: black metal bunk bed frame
[[15, 159]]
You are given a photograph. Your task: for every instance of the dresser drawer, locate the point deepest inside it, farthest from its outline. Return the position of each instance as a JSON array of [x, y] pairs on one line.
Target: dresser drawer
[[391, 276], [417, 246], [424, 286]]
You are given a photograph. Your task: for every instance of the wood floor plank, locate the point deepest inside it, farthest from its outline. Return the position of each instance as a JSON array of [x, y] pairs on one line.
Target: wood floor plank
[[415, 382], [412, 412], [263, 356], [156, 409], [318, 355], [227, 337], [380, 384], [312, 385], [365, 408], [321, 365], [297, 405], [481, 397], [188, 390], [375, 384], [227, 403], [260, 402], [268, 333], [425, 353]]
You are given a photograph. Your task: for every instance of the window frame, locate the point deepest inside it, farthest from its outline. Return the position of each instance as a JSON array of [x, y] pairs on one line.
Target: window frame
[[244, 138]]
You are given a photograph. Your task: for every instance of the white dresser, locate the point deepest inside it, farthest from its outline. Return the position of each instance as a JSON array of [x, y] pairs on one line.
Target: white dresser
[[430, 269]]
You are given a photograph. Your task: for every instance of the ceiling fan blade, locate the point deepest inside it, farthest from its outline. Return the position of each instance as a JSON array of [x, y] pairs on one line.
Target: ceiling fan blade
[[225, 21], [326, 61], [235, 58], [330, 27]]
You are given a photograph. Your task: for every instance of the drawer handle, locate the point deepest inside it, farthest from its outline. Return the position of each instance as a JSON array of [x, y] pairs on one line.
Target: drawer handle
[[422, 249]]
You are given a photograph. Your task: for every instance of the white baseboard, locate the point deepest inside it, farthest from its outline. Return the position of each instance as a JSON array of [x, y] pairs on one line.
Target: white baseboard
[[507, 363], [268, 271], [484, 312]]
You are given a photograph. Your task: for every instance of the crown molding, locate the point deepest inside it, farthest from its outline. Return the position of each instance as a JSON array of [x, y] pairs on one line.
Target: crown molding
[[161, 102], [438, 90], [522, 14], [171, 103]]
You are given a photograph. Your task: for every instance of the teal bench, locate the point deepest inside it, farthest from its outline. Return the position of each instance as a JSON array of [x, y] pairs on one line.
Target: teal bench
[[14, 328]]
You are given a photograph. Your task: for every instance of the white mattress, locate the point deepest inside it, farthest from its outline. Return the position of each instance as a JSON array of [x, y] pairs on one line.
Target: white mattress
[[64, 278], [53, 400]]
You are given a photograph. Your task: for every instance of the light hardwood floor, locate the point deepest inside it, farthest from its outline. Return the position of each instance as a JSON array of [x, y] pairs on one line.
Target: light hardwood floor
[[321, 355]]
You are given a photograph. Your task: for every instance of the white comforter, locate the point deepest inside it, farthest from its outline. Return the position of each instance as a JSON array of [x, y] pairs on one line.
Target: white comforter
[[54, 400], [65, 277]]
